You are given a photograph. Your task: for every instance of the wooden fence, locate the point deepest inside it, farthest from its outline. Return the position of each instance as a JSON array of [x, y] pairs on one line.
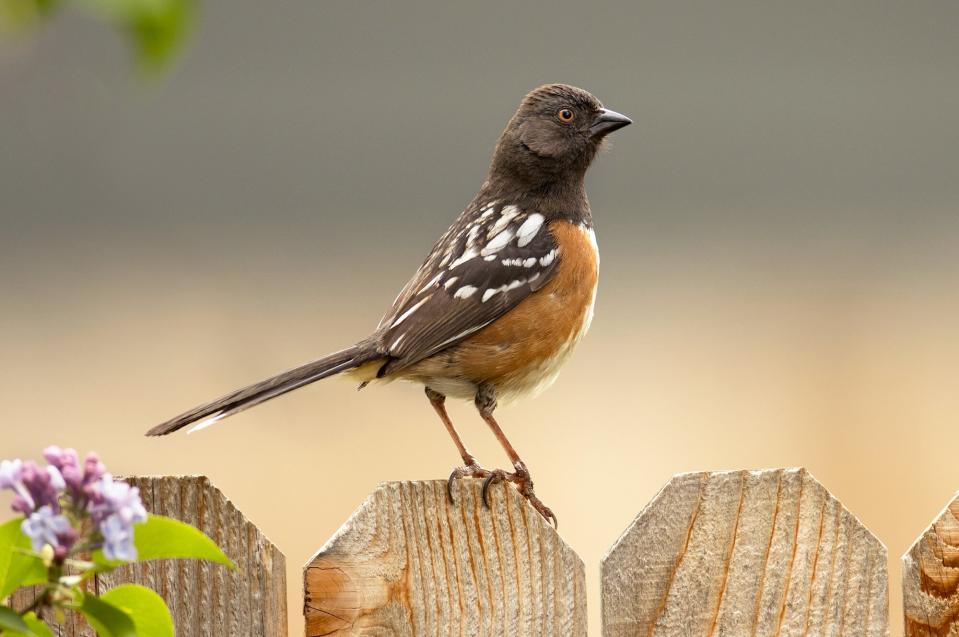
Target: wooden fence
[[723, 553]]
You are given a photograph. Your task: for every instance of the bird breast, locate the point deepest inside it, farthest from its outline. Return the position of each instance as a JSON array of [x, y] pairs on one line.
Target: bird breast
[[522, 352]]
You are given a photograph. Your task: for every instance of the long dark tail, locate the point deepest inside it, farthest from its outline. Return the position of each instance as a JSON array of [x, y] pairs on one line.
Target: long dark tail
[[263, 391]]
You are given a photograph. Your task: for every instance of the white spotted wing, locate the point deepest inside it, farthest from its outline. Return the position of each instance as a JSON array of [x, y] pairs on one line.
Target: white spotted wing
[[489, 260]]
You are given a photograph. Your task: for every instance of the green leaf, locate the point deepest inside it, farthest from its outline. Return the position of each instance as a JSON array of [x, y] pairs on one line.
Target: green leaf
[[17, 567], [19, 15], [37, 626], [159, 31], [34, 627], [148, 610], [156, 28], [163, 538], [9, 620], [106, 619]]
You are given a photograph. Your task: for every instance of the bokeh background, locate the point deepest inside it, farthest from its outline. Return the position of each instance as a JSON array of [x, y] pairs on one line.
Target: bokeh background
[[779, 235]]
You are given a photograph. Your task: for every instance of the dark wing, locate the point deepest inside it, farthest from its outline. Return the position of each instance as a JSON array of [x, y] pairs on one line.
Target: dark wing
[[489, 260]]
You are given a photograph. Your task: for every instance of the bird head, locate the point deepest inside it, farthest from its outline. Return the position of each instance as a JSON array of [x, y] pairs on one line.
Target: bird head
[[555, 134]]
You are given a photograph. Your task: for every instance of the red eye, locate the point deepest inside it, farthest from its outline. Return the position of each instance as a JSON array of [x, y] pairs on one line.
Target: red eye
[[566, 115]]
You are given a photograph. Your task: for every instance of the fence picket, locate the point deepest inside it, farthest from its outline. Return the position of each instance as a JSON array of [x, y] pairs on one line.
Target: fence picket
[[930, 578], [745, 553], [410, 563]]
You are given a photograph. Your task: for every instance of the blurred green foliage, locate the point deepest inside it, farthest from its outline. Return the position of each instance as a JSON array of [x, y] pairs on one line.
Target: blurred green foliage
[[156, 29]]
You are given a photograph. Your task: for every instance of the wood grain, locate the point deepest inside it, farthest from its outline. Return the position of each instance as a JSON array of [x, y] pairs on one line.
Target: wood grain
[[409, 563], [930, 578], [745, 553], [205, 599]]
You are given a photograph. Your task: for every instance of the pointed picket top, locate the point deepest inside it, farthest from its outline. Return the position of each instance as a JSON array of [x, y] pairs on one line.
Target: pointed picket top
[[743, 553], [930, 577], [408, 562]]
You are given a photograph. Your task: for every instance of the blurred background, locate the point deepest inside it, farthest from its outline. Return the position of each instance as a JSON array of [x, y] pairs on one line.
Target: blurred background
[[779, 235]]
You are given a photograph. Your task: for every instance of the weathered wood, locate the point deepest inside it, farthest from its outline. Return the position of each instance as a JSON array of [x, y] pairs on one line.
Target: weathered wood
[[930, 578], [745, 553], [409, 563], [205, 599]]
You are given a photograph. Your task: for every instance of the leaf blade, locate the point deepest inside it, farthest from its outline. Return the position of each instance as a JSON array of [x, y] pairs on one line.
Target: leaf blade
[[17, 567], [9, 620], [106, 619], [37, 626], [149, 611], [165, 538]]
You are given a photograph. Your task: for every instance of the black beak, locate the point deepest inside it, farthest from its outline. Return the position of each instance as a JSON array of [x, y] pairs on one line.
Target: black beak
[[607, 121]]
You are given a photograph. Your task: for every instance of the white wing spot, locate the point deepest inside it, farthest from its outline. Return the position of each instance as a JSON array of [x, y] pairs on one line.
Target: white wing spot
[[498, 242], [530, 262], [546, 260], [464, 292], [450, 282], [469, 254], [491, 292], [432, 282], [529, 229], [407, 313], [505, 216]]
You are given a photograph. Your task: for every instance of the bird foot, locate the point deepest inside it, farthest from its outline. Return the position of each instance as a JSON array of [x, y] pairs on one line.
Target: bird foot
[[470, 470], [524, 484]]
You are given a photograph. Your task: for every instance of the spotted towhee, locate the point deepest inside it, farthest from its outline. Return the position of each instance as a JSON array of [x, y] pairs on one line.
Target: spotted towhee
[[503, 296]]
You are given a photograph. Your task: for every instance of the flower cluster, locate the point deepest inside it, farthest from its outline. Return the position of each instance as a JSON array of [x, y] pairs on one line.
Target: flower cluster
[[58, 500]]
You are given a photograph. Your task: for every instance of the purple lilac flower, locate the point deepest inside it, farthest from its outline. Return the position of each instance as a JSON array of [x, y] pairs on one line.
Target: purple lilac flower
[[115, 510], [118, 539], [79, 479], [10, 471], [93, 471], [34, 487], [113, 506], [117, 498], [61, 458], [44, 485], [45, 526], [11, 477]]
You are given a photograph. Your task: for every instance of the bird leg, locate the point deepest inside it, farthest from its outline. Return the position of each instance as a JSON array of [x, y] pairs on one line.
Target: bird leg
[[486, 403], [471, 467]]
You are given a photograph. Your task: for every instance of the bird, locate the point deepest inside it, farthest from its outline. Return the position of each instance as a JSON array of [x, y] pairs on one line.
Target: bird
[[501, 300]]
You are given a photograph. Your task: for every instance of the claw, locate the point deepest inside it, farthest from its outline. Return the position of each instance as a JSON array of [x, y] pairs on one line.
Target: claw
[[545, 512], [466, 471], [495, 476], [449, 487], [520, 478], [542, 509], [486, 484]]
